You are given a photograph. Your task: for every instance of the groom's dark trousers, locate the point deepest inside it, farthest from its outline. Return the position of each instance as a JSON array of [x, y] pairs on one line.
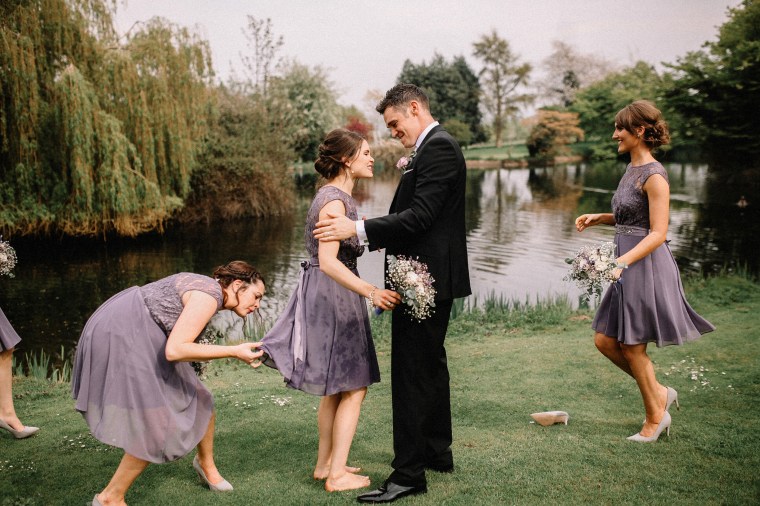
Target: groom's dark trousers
[[421, 401], [426, 222]]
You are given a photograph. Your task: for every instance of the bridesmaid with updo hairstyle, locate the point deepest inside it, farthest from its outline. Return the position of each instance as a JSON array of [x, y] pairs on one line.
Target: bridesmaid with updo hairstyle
[[647, 303], [132, 378], [321, 343]]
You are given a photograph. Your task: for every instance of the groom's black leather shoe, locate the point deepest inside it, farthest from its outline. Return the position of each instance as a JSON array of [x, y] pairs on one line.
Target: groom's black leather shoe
[[389, 492]]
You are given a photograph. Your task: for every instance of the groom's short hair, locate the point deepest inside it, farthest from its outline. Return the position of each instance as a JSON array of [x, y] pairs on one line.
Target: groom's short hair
[[400, 95]]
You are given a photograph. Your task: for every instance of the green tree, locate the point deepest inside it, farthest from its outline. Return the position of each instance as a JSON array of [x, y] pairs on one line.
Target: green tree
[[95, 136], [502, 77], [304, 101], [717, 90], [553, 133], [598, 103], [459, 131], [243, 164], [453, 90]]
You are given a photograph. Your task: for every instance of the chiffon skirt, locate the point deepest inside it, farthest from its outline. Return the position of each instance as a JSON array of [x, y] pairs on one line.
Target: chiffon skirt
[[129, 394], [322, 343], [8, 337], [648, 304]]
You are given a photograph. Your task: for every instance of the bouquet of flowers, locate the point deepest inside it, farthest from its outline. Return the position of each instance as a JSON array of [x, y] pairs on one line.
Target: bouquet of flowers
[[592, 267], [411, 279], [7, 258]]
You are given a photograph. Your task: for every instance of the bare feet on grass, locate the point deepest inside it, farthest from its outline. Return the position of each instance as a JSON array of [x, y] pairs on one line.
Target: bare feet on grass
[[322, 472], [348, 481]]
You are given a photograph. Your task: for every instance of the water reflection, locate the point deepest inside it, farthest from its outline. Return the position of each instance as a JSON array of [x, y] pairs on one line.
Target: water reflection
[[519, 226]]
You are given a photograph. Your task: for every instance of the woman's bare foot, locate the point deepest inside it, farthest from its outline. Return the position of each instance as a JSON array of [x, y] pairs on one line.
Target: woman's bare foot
[[106, 500], [322, 472], [348, 481]]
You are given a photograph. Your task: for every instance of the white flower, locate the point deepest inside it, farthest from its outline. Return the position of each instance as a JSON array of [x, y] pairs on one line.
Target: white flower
[[591, 267], [411, 279]]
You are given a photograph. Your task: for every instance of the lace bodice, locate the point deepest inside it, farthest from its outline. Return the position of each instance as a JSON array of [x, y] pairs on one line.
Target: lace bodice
[[630, 205], [163, 298], [350, 249]]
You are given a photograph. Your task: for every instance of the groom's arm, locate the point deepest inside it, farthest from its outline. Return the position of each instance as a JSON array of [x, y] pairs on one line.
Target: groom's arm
[[437, 173]]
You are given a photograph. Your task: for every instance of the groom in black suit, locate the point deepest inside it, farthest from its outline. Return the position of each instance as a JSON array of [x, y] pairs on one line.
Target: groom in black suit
[[425, 221]]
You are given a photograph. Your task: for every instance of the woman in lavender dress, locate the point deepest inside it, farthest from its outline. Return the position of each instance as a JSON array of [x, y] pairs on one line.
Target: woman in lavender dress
[[9, 339], [9, 421], [133, 381], [646, 304], [322, 344]]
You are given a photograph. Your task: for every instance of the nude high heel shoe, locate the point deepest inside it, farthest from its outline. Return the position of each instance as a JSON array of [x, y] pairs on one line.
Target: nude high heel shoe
[[19, 434], [222, 486], [547, 418], [663, 425], [672, 397]]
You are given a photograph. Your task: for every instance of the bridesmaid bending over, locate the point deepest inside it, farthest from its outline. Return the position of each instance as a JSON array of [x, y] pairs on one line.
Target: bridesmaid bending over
[[133, 381], [322, 343], [646, 304]]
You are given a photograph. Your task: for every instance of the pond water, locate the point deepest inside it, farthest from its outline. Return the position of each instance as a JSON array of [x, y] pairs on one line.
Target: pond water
[[519, 226]]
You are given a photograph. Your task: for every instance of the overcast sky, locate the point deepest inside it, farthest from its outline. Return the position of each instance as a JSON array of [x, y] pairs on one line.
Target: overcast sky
[[364, 44]]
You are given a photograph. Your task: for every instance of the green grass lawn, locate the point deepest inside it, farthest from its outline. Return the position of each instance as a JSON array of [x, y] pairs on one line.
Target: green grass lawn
[[514, 151], [504, 365]]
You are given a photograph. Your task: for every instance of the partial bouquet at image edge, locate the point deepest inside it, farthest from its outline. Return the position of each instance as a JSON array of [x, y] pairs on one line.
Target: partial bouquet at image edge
[[411, 279], [591, 268], [8, 258]]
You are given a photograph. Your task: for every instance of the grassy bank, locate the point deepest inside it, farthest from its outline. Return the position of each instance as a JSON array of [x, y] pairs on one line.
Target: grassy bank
[[514, 151], [504, 365]]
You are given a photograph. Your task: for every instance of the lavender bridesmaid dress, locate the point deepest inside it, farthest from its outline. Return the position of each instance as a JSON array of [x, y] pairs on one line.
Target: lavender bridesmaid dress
[[129, 394], [8, 337], [647, 304], [322, 343]]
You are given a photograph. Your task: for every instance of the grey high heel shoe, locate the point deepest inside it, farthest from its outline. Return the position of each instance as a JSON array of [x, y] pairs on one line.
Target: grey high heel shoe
[[222, 486], [19, 434], [663, 425]]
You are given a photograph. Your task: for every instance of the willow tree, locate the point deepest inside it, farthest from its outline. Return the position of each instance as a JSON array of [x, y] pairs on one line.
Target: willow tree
[[96, 135]]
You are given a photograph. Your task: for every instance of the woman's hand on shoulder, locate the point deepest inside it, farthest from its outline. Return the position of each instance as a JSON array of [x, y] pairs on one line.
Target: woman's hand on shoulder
[[249, 353]]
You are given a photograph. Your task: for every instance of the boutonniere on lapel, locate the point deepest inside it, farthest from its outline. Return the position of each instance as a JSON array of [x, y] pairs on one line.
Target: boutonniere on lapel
[[404, 162]]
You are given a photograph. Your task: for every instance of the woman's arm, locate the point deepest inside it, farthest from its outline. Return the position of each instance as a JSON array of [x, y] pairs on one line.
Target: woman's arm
[[584, 221], [658, 194], [198, 309], [334, 268]]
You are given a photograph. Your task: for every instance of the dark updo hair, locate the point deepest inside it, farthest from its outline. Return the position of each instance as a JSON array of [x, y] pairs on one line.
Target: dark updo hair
[[339, 145], [400, 96], [643, 113], [237, 269]]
